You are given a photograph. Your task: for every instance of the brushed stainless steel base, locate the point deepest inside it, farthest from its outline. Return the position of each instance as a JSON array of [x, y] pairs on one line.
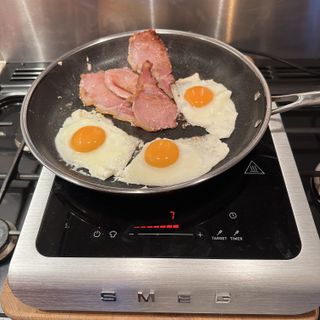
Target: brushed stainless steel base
[[216, 285], [17, 310]]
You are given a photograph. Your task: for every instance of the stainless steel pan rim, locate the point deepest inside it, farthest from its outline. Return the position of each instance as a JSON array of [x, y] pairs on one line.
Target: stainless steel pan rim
[[149, 190]]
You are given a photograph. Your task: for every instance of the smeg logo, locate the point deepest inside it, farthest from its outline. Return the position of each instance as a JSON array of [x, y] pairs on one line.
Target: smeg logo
[[150, 297]]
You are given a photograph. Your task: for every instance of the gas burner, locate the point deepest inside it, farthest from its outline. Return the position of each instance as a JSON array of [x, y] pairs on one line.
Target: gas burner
[[316, 184], [10, 120], [18, 139], [8, 238]]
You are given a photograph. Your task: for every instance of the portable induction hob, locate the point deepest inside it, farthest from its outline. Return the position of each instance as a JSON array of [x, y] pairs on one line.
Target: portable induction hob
[[242, 243]]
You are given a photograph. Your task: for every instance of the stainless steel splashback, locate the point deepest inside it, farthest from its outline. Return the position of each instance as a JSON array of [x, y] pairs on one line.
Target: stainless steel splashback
[[42, 30]]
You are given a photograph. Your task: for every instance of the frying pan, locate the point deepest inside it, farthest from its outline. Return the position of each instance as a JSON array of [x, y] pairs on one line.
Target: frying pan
[[55, 95]]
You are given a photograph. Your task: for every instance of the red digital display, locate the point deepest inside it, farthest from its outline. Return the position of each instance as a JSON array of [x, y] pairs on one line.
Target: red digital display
[[163, 226]]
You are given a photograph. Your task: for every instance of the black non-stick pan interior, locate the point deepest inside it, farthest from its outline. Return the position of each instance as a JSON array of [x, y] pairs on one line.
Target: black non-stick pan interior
[[56, 95]]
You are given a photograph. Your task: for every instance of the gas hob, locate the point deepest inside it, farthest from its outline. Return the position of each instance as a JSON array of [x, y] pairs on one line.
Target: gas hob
[[244, 242]]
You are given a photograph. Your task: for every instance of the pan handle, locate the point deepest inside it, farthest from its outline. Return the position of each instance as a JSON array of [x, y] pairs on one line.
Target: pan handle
[[297, 100]]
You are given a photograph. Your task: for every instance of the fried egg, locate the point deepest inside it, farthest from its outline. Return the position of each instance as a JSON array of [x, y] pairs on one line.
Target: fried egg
[[207, 104], [165, 162], [91, 141]]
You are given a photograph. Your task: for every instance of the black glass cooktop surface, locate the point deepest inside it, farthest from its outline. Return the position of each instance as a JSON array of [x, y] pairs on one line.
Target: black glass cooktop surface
[[245, 213]]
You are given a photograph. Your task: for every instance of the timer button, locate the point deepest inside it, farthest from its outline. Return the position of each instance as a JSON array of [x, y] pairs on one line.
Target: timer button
[[233, 215]]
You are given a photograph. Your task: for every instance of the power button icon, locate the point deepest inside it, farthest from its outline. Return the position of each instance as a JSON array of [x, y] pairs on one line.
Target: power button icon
[[233, 215], [97, 234]]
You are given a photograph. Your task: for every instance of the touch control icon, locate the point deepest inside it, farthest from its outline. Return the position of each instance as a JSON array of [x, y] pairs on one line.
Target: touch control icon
[[233, 215], [97, 234], [113, 234], [199, 234]]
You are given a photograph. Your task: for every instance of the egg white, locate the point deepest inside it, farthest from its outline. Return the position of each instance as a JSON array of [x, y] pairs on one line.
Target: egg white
[[109, 158], [197, 155], [218, 117]]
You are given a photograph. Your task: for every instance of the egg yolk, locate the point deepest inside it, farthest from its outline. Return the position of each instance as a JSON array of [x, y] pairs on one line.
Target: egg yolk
[[88, 138], [161, 153], [198, 96]]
